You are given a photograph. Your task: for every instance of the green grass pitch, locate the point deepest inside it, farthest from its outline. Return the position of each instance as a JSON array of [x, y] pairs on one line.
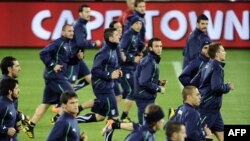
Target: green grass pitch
[[235, 109]]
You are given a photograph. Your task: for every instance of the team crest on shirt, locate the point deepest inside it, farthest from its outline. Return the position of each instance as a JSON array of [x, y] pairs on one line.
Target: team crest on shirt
[[74, 130]]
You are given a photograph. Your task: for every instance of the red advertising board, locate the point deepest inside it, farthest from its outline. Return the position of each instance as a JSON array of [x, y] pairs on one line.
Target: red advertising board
[[35, 24]]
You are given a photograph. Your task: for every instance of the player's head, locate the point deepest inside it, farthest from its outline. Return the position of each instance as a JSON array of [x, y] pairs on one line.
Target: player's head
[[155, 45], [191, 95], [205, 42], [131, 4], [202, 22], [111, 35], [153, 116], [69, 101], [10, 66], [140, 6], [9, 87], [68, 31], [84, 12], [175, 131], [136, 23], [216, 51], [117, 25]]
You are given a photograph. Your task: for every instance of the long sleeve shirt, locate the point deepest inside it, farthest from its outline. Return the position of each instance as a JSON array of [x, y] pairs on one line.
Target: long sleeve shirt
[[192, 69], [8, 114], [190, 117], [147, 77], [80, 35], [129, 46], [65, 129], [210, 82], [105, 62], [58, 52]]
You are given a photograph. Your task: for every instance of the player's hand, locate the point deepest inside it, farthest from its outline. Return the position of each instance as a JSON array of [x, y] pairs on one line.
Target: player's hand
[[11, 131], [58, 68], [98, 43], [208, 132], [163, 89], [230, 85], [84, 137], [123, 56], [115, 74], [163, 82]]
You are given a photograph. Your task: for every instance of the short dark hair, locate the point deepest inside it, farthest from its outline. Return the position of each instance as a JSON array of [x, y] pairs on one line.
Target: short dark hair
[[66, 96], [137, 2], [153, 113], [6, 62], [108, 32], [172, 127], [81, 7], [7, 85], [187, 90], [150, 42], [213, 48], [65, 25], [112, 24], [202, 17]]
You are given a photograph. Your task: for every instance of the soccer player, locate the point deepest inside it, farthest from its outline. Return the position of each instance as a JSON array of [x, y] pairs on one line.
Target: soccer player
[[56, 57], [130, 55], [105, 70], [8, 113], [66, 127], [190, 117], [193, 46], [210, 82], [80, 70], [194, 66], [11, 68], [175, 131], [140, 8], [146, 80], [153, 122]]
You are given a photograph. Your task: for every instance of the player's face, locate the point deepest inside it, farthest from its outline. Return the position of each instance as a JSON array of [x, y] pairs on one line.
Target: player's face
[[118, 27], [221, 54], [72, 106], [68, 32], [141, 7], [116, 37], [181, 135], [196, 97], [202, 25], [15, 92], [204, 50], [157, 47], [131, 4], [137, 26], [15, 69], [85, 14], [159, 124]]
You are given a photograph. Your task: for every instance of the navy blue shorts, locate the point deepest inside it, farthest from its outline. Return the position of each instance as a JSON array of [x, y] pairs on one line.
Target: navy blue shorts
[[77, 71], [214, 121], [127, 83], [107, 105], [53, 90], [117, 88]]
